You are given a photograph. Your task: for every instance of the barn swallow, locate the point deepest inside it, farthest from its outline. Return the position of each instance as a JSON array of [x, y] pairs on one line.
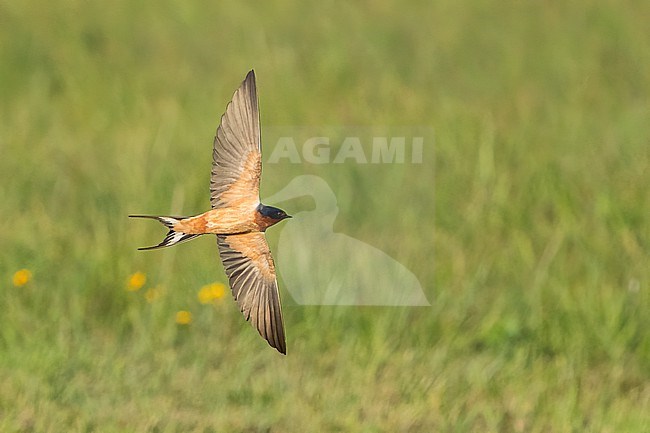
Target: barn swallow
[[237, 217]]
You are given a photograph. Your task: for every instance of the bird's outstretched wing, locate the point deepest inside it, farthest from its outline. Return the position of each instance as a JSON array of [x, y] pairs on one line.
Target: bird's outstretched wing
[[236, 157], [251, 271]]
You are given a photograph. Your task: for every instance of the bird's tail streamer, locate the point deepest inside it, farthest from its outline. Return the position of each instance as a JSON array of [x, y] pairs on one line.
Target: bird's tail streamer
[[173, 237]]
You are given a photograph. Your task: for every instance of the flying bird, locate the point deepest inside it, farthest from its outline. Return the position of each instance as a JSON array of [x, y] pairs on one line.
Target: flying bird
[[237, 217]]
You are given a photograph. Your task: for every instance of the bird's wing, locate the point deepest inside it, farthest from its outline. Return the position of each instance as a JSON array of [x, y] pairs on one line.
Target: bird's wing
[[250, 269], [236, 156]]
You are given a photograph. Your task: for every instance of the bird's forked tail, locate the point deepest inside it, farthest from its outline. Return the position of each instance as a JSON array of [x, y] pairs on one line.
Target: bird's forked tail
[[173, 237]]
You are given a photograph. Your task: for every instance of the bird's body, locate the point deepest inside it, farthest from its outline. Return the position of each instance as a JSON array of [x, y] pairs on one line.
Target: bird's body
[[237, 217], [225, 221]]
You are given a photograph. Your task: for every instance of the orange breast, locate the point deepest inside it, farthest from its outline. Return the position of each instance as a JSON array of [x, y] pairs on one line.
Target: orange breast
[[263, 222]]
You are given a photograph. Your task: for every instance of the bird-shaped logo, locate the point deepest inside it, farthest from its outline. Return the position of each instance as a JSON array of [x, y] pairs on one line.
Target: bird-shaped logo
[[237, 217], [355, 272]]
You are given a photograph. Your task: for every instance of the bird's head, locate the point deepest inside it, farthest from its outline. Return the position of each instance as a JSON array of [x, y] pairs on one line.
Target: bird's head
[[272, 212]]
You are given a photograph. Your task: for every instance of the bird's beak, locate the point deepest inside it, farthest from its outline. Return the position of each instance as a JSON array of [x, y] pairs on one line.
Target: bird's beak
[[289, 216]]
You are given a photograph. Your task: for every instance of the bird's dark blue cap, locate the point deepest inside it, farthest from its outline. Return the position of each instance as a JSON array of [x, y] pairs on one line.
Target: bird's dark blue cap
[[272, 212]]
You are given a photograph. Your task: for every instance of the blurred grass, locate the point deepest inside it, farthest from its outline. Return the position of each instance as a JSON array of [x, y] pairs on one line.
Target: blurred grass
[[529, 229]]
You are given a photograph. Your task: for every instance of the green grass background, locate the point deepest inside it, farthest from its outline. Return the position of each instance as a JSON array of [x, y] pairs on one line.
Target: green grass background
[[527, 224]]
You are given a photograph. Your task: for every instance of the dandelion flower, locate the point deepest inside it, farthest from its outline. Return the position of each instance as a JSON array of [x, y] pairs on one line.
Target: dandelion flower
[[153, 293], [183, 317], [211, 292], [22, 277], [136, 281]]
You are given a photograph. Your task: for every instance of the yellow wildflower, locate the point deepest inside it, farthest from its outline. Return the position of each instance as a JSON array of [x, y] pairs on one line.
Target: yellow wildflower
[[211, 292], [183, 317], [136, 281], [22, 277], [153, 293]]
